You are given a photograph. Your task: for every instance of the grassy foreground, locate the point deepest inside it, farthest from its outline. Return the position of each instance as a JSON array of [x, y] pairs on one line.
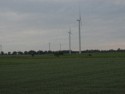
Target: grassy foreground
[[64, 75]]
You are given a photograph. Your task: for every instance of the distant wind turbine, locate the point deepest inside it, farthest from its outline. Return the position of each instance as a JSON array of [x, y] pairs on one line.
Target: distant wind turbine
[[60, 47], [49, 46], [0, 48], [69, 41]]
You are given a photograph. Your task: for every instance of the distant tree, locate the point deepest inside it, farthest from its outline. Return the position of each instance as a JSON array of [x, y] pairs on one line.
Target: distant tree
[[14, 53], [45, 52], [9, 53], [2, 53], [26, 53], [32, 52], [40, 52], [20, 53], [111, 50]]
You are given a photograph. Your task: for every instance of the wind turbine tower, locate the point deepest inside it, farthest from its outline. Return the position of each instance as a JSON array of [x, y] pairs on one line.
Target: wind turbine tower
[[49, 46], [0, 49], [79, 28], [60, 47], [69, 41]]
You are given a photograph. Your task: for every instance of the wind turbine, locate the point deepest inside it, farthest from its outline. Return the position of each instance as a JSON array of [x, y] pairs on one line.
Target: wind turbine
[[0, 49], [49, 46], [60, 47], [69, 40], [79, 29]]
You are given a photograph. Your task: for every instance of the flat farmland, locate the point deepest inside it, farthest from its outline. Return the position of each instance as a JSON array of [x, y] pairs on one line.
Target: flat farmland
[[68, 74]]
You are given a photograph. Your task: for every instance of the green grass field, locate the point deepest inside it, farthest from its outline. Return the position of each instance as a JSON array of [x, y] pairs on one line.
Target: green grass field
[[75, 74]]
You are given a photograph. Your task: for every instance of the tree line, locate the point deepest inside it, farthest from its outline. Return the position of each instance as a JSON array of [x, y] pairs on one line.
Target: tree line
[[32, 52], [40, 52]]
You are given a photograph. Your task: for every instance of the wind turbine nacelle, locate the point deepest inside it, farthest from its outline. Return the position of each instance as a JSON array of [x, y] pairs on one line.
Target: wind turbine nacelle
[[78, 20]]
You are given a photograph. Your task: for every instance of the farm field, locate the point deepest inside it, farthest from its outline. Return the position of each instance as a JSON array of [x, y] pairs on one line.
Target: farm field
[[68, 74]]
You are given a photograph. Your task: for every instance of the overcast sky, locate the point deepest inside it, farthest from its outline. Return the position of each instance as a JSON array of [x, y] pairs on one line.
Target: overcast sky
[[33, 24]]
